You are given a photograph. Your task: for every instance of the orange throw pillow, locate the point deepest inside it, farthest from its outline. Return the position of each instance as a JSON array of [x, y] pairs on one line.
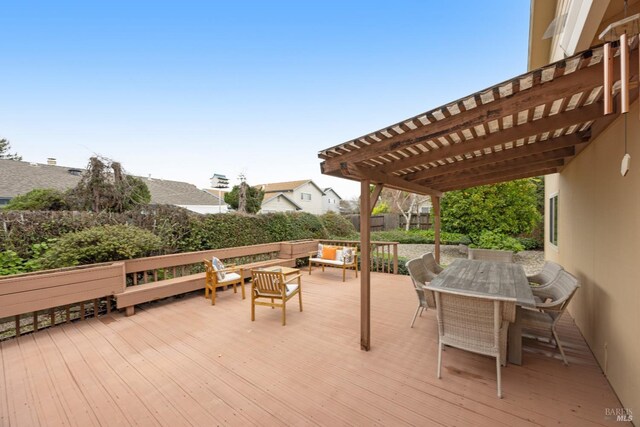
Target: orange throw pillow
[[329, 252]]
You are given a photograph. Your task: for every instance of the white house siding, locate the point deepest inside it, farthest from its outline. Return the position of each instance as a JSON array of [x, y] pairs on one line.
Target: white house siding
[[314, 205], [277, 204], [331, 202]]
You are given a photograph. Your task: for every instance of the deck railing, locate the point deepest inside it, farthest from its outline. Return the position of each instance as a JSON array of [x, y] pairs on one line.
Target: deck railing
[[33, 301], [384, 255]]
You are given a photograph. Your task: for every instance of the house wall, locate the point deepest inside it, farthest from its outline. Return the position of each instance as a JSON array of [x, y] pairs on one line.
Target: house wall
[[599, 242], [314, 205], [334, 206], [277, 204]]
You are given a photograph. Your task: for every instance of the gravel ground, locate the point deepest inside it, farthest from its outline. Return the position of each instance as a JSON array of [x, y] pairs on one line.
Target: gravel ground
[[531, 260]]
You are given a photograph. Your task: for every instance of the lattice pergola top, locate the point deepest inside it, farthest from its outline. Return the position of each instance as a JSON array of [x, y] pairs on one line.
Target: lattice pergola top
[[528, 126]]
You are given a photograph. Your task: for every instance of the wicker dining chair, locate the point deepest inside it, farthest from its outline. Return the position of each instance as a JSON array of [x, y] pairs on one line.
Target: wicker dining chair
[[555, 298], [420, 276], [273, 289], [431, 264], [490, 255], [474, 323], [544, 277]]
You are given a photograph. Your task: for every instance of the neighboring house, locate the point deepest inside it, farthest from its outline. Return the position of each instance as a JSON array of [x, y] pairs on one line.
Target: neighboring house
[[18, 177], [592, 213], [278, 202], [302, 195], [331, 201]]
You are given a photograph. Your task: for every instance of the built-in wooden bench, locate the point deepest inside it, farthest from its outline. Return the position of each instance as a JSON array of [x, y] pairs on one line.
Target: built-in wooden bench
[[146, 292]]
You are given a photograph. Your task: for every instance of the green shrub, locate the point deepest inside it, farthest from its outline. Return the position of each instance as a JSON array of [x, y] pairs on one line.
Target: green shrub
[[530, 244], [509, 208], [338, 225], [402, 266], [11, 263], [228, 230], [40, 199], [305, 226], [417, 237], [493, 240], [100, 244]]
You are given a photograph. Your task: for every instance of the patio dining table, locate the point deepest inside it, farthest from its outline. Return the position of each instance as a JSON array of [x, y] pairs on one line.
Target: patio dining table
[[493, 279]]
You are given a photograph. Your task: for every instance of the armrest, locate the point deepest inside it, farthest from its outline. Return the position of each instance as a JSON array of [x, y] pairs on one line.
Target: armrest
[[229, 269], [311, 254], [292, 278]]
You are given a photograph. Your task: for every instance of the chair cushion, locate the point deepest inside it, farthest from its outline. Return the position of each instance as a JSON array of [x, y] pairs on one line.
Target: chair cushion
[[230, 277], [291, 289], [217, 266], [347, 255], [329, 252], [326, 261], [319, 254]]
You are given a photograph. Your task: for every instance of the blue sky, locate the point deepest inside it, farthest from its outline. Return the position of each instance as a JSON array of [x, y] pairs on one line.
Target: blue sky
[[183, 89]]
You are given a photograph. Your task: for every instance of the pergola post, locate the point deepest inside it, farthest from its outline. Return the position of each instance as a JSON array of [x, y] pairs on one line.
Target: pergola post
[[365, 272], [435, 201]]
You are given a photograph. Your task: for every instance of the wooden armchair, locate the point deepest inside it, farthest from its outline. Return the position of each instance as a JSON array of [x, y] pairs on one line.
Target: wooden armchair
[[323, 258], [269, 286], [230, 275]]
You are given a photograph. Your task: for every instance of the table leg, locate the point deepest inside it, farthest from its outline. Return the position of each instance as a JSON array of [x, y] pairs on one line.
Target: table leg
[[514, 349]]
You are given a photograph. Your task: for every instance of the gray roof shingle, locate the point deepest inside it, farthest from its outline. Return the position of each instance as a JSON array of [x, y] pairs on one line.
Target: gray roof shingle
[[18, 177]]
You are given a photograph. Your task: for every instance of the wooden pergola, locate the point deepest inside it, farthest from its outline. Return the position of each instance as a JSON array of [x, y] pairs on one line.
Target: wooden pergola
[[531, 125]]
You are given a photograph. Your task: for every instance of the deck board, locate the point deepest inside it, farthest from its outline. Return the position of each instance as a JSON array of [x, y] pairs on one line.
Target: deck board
[[182, 361]]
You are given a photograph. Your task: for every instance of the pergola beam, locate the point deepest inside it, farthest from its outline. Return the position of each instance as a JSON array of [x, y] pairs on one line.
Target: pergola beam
[[552, 144], [390, 181], [523, 131], [504, 170], [376, 195], [488, 181], [502, 166]]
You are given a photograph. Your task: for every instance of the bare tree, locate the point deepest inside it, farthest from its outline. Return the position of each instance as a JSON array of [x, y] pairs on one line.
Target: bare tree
[[406, 204], [242, 194]]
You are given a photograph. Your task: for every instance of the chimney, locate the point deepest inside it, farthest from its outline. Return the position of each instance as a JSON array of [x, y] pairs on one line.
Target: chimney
[[51, 161]]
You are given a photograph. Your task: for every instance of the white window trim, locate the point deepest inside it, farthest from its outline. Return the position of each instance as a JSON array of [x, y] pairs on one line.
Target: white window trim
[[553, 245]]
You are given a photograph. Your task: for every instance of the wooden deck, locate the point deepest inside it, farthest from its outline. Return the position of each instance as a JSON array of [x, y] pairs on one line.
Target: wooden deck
[[185, 362]]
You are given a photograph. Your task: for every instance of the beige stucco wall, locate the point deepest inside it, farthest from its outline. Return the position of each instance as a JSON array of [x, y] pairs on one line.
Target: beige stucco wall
[[599, 242]]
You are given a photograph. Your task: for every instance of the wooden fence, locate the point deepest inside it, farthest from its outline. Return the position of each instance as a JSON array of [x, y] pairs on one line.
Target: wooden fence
[[33, 301]]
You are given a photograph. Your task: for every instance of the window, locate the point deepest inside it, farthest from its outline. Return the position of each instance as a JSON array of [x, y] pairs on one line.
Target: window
[[553, 220], [305, 196], [4, 201]]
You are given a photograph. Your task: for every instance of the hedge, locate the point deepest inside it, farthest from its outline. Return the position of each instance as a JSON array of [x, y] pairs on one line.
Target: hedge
[[25, 234], [418, 237]]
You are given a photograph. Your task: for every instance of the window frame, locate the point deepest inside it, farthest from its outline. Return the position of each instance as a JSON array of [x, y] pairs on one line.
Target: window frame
[[553, 219], [302, 197]]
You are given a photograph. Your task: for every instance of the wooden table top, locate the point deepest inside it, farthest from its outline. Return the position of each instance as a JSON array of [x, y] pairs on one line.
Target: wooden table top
[[499, 279], [285, 270]]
